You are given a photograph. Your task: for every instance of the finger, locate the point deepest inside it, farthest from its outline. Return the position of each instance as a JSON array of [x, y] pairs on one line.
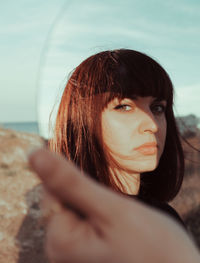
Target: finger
[[60, 235], [74, 188], [49, 206], [70, 239]]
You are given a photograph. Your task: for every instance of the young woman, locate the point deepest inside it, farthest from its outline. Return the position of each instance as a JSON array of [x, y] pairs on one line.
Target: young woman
[[116, 123]]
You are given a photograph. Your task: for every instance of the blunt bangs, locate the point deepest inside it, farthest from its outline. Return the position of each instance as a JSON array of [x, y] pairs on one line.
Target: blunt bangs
[[139, 75], [122, 73]]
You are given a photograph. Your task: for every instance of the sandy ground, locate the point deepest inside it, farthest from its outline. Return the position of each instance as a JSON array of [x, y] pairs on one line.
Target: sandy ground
[[21, 230]]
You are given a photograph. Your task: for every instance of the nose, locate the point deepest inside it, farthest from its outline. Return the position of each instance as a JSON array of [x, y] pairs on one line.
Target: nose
[[148, 123]]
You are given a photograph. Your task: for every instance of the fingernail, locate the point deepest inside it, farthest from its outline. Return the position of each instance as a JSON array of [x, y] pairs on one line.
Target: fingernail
[[40, 162]]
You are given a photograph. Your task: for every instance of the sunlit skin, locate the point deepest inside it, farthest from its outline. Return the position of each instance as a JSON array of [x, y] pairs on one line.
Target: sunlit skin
[[127, 125]]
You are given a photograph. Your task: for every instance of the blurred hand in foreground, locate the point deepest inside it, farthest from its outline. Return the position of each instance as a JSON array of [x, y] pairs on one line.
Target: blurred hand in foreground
[[94, 224]]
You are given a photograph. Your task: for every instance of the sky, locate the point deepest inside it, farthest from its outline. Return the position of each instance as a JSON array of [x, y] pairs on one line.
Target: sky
[[43, 41], [24, 26]]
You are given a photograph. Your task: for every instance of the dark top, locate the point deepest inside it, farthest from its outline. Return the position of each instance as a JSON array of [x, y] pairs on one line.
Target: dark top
[[164, 207]]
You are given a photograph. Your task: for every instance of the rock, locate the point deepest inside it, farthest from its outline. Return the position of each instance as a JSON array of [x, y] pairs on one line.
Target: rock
[[187, 202], [21, 234], [188, 124]]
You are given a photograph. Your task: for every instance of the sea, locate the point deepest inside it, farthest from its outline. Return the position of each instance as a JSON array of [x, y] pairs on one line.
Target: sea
[[30, 127]]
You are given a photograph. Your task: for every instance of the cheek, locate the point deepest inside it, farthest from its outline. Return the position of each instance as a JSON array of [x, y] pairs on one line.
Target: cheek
[[111, 135], [114, 135], [162, 134]]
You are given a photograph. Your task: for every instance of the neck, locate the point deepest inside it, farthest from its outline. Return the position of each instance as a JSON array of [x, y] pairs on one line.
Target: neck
[[129, 181]]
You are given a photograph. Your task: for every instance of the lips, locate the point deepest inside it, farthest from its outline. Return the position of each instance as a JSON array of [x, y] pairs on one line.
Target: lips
[[148, 148]]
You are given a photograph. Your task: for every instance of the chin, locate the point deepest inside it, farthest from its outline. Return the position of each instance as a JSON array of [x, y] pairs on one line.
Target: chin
[[141, 166], [146, 167], [150, 165]]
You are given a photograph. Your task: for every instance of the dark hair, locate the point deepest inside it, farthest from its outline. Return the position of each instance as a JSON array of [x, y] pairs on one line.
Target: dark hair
[[93, 84]]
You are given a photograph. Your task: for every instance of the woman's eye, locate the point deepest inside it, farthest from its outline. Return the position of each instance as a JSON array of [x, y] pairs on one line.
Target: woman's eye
[[123, 107], [158, 108]]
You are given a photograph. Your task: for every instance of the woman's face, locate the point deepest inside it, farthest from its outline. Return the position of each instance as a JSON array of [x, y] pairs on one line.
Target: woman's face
[[134, 132]]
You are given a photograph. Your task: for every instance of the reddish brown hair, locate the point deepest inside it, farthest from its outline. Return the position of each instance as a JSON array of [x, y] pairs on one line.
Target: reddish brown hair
[[93, 84]]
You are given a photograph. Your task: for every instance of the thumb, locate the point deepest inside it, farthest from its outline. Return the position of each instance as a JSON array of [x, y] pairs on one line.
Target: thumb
[[74, 188]]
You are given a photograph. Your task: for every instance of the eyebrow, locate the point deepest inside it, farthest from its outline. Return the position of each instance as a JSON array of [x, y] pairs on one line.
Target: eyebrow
[[129, 98], [136, 98], [159, 100]]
